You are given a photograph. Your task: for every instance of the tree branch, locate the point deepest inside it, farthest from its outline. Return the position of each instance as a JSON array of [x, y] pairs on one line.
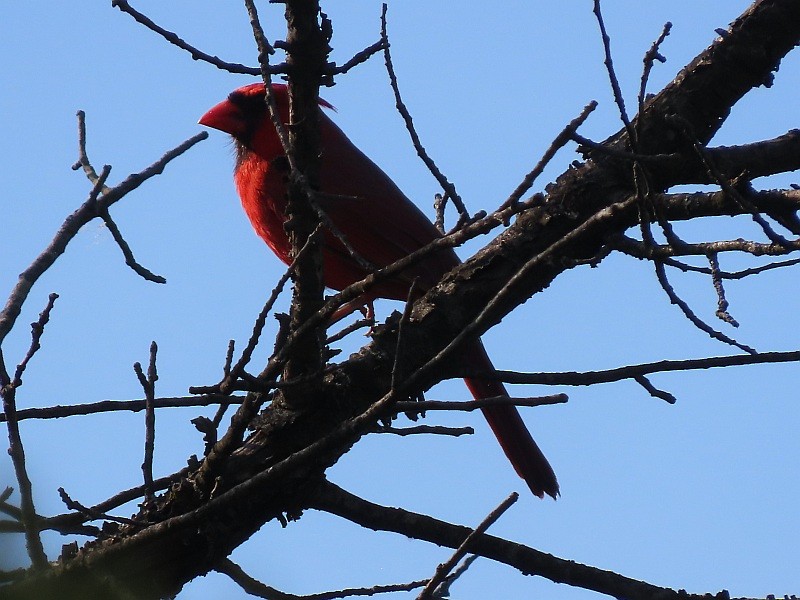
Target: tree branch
[[333, 499]]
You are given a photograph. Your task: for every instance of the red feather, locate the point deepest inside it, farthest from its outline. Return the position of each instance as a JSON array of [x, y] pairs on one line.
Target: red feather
[[377, 220]]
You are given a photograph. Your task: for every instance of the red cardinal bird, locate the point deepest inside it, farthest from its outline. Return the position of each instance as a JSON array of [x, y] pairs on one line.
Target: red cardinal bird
[[380, 224]]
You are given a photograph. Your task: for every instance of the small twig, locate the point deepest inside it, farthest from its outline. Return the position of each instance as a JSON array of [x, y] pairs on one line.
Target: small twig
[[424, 429], [674, 298], [250, 585], [226, 369], [447, 186], [439, 205], [559, 142], [60, 522], [226, 373], [661, 275], [687, 268], [360, 57], [37, 329], [148, 384], [653, 390], [354, 326], [443, 591], [256, 588], [58, 412], [261, 319], [612, 76], [264, 52], [83, 157], [575, 378], [398, 347], [127, 252], [722, 301], [16, 450], [649, 59], [639, 249], [196, 54], [471, 405], [8, 389], [9, 509], [445, 568], [92, 514], [325, 220]]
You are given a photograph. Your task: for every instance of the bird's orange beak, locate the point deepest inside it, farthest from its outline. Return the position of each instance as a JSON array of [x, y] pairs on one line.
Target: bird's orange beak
[[226, 117]]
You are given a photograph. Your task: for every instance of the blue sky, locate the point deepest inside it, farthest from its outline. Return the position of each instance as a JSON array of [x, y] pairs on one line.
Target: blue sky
[[700, 495]]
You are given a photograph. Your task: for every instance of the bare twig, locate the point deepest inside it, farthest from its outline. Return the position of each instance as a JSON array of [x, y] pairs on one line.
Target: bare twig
[[639, 249], [8, 391], [424, 430], [443, 590], [196, 54], [37, 329], [689, 314], [447, 186], [653, 390], [559, 142], [238, 369], [226, 369], [661, 274], [27, 509], [439, 205], [127, 252], [91, 514], [264, 52], [57, 412], [612, 76], [250, 585], [325, 220], [399, 345], [360, 57], [574, 378], [148, 384], [83, 157], [60, 522], [722, 301], [649, 59], [444, 569], [470, 405], [261, 590], [354, 326]]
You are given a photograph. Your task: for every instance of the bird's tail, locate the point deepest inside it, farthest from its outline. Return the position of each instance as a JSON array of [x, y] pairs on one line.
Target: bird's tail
[[509, 428]]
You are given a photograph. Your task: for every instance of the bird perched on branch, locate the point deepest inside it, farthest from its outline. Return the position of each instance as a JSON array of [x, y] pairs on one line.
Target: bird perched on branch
[[378, 222]]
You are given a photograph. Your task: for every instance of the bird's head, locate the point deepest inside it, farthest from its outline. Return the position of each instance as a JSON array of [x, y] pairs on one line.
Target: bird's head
[[244, 115]]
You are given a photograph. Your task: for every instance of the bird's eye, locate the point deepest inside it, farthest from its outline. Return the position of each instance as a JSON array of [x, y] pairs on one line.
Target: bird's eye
[[248, 103]]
